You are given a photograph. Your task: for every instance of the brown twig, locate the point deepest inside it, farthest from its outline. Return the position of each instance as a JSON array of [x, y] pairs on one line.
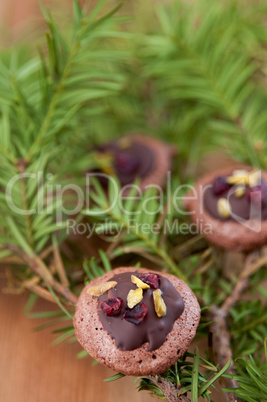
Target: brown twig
[[39, 267], [186, 244], [45, 253], [170, 391], [10, 259], [243, 282], [32, 285], [60, 267], [115, 243], [42, 292], [222, 345], [221, 334]]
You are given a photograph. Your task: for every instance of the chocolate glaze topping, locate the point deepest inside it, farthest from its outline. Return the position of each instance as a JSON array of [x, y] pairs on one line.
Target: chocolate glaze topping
[[242, 207], [131, 162], [152, 329]]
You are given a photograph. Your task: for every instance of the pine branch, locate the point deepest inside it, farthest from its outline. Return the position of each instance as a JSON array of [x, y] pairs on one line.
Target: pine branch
[[184, 377], [59, 265], [218, 316], [150, 244], [204, 76], [38, 266], [252, 379], [122, 221], [251, 265], [64, 68], [222, 346]]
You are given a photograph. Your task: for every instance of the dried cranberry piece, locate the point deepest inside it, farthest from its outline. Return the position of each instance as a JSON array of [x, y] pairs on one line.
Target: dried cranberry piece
[[258, 194], [151, 279], [126, 162], [112, 306], [136, 314], [220, 185]]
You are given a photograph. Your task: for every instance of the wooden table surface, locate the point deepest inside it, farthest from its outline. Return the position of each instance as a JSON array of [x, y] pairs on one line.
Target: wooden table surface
[[32, 370]]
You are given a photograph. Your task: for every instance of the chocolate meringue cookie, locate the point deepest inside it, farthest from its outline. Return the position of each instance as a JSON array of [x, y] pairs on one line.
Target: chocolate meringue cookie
[[147, 346], [233, 214], [137, 156]]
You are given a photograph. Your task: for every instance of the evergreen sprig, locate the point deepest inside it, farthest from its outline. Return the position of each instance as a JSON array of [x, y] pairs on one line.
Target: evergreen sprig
[[194, 76], [252, 379], [40, 100], [185, 376], [199, 62], [117, 215]]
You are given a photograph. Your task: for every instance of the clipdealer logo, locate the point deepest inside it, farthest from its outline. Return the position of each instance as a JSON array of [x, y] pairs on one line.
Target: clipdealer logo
[[172, 228], [65, 202]]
